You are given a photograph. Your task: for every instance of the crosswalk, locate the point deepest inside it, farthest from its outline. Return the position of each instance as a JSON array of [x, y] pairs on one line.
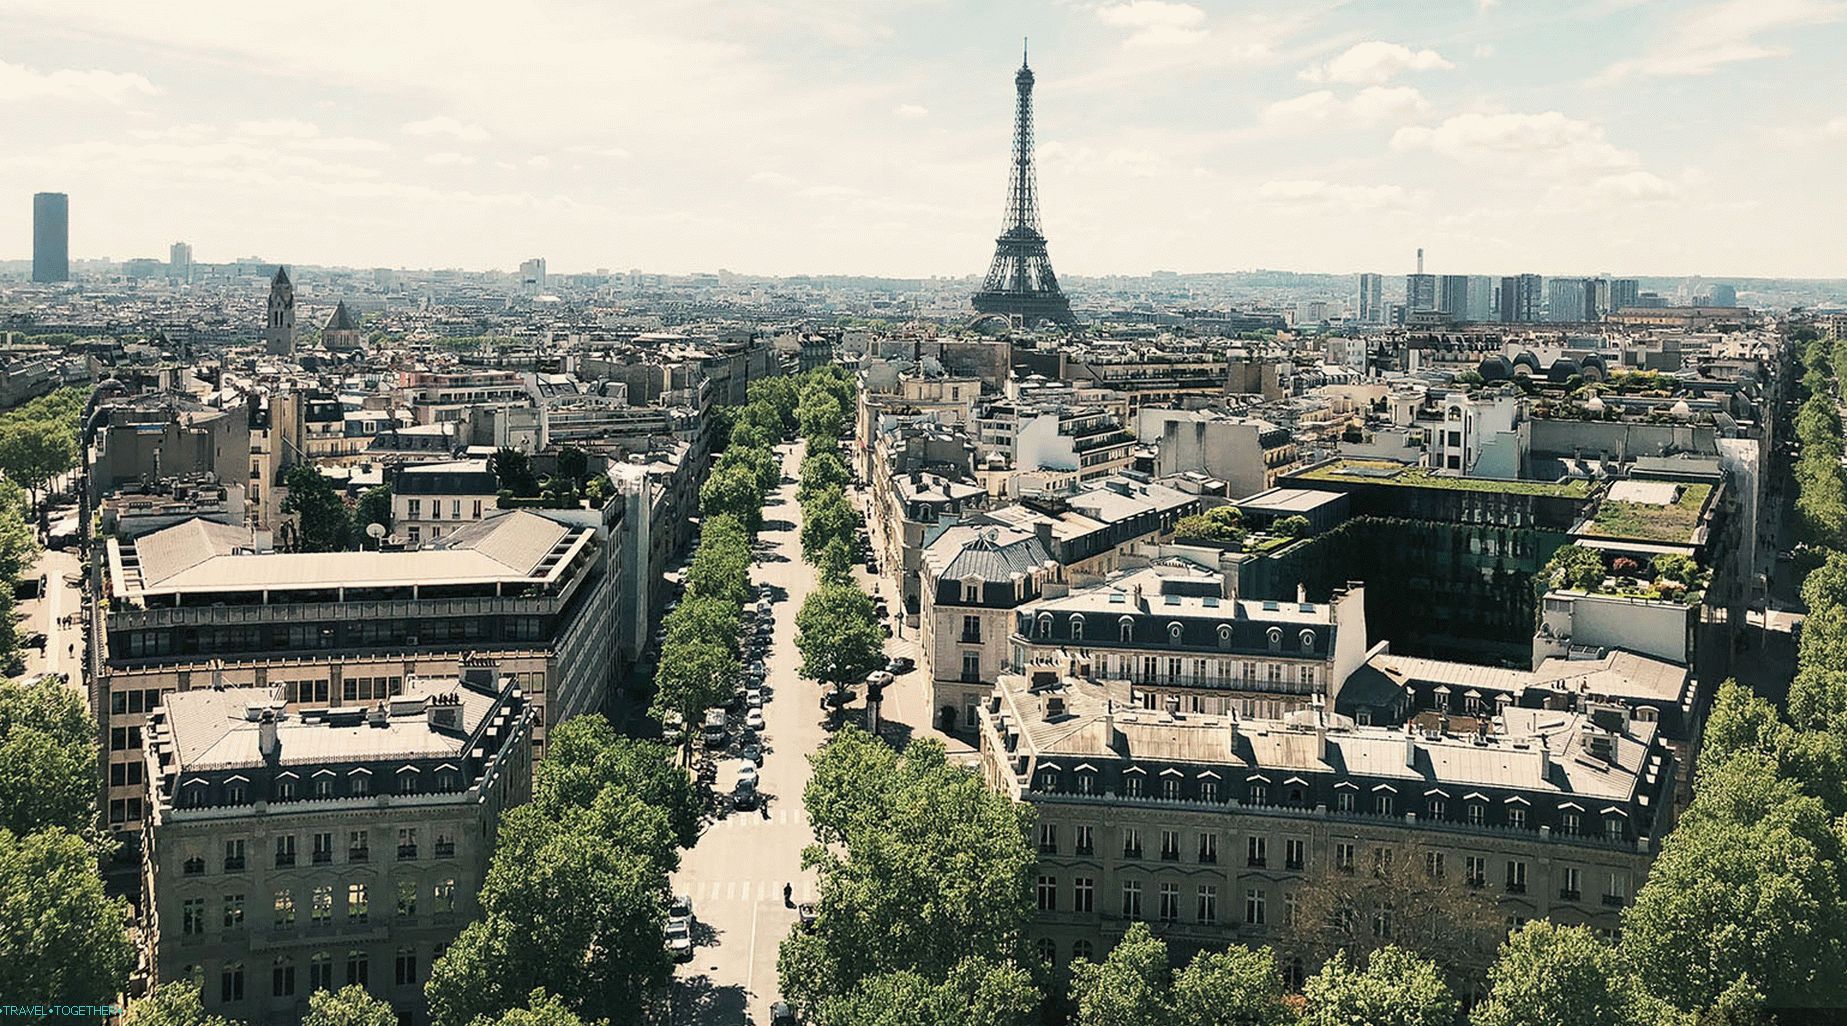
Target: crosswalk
[[743, 890]]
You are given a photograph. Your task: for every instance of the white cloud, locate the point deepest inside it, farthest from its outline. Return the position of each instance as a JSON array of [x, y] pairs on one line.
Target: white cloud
[[911, 110], [1701, 41], [1372, 105], [448, 158], [605, 152], [1545, 143], [279, 128], [1314, 192], [1156, 22], [444, 125], [19, 83], [1375, 62]]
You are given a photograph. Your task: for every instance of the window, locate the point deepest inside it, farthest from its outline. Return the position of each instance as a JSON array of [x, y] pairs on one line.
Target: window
[[1477, 814], [285, 850], [1208, 790], [1045, 625], [1082, 949], [1170, 845], [285, 909], [192, 917], [1132, 785], [1475, 870], [406, 967], [971, 625], [1613, 828], [971, 666], [1571, 887], [445, 895], [194, 866], [1048, 838], [323, 787], [1131, 899], [1083, 894], [1207, 908], [1254, 907], [455, 509], [1256, 851], [1047, 893], [320, 971], [357, 971], [361, 784], [1516, 817], [1343, 800], [1084, 841], [1170, 903], [1170, 788], [1433, 865], [1436, 808], [477, 509], [357, 908], [416, 509], [1381, 861], [234, 792], [323, 848], [1292, 909], [1516, 876], [1294, 853], [1125, 629], [320, 905], [407, 782], [1048, 950], [234, 856], [445, 846], [1260, 794], [1343, 856], [1077, 627], [233, 911], [1208, 847], [1382, 921], [1086, 782], [1569, 821], [231, 982], [1382, 803], [1617, 890], [407, 896], [282, 978], [1131, 843], [407, 843]]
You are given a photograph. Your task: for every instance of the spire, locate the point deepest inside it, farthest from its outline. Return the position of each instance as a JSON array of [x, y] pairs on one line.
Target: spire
[[282, 276], [1020, 283], [1022, 51]]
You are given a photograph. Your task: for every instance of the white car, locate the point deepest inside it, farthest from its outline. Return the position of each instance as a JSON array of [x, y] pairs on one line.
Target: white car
[[754, 698], [754, 719], [747, 776], [679, 940]]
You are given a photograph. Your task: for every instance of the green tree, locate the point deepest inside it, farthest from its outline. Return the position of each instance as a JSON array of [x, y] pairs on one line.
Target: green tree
[[778, 395], [822, 417], [821, 470], [975, 994], [63, 941], [838, 635], [1128, 988], [825, 517], [541, 1009], [933, 871], [584, 755], [174, 1003], [19, 545], [34, 452], [733, 491], [1291, 527], [322, 521], [764, 465], [374, 507], [703, 619], [1818, 695], [1550, 974], [1395, 989], [1219, 524], [692, 677], [48, 757], [1574, 566], [720, 568], [1239, 986], [351, 1005], [513, 471], [573, 465], [835, 562]]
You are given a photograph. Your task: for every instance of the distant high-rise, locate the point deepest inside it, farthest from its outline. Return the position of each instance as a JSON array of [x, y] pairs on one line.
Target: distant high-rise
[[1453, 295], [1420, 292], [1481, 299], [532, 272], [1624, 292], [1571, 300], [51, 237], [179, 261], [1371, 304], [1723, 295], [279, 331], [1520, 298], [1020, 283]]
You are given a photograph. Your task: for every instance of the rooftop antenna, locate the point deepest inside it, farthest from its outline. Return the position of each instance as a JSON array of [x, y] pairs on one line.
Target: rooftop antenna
[[1022, 51]]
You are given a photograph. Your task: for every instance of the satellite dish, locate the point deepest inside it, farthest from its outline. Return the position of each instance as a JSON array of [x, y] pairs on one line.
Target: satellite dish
[[375, 531]]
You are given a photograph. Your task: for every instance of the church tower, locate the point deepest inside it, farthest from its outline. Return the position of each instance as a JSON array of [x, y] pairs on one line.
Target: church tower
[[279, 331]]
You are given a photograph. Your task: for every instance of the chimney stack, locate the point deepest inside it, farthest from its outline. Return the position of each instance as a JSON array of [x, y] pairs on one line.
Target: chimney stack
[[1410, 750], [1301, 594], [1420, 260], [269, 743]]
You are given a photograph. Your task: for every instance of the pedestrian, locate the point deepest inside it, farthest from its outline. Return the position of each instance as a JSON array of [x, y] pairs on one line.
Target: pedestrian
[[788, 895]]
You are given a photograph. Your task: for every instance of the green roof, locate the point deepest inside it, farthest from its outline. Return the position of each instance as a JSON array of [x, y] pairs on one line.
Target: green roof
[[1642, 521], [1386, 472]]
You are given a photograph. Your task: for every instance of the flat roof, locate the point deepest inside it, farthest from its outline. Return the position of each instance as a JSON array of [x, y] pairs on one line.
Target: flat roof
[[1288, 500]]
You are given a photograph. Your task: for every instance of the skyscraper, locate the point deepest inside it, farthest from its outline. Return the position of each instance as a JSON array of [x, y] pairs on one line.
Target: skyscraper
[[1723, 295], [1571, 300], [1624, 292], [179, 261], [1520, 298], [1371, 306], [1481, 299], [1420, 289], [1453, 296], [279, 331], [51, 237], [1020, 283]]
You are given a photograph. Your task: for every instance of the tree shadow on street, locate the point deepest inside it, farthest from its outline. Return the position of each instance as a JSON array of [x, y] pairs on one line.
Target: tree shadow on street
[[697, 1000], [777, 525]]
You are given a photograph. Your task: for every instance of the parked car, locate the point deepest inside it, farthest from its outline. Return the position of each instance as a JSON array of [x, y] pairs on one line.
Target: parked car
[[747, 776], [900, 664], [806, 913], [878, 678], [680, 940], [782, 1013], [754, 719], [754, 698], [752, 753], [681, 907]]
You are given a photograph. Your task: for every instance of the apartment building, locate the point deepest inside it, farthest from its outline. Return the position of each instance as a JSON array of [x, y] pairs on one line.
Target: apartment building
[[972, 579], [195, 606], [431, 499], [1208, 827], [289, 852]]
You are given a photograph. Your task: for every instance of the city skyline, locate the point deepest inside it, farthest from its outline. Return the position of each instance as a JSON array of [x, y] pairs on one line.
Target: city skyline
[[822, 138]]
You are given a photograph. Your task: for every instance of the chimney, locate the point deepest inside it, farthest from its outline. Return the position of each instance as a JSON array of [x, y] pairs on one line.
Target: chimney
[[1043, 532], [269, 743], [1420, 260], [1301, 594], [1410, 750]]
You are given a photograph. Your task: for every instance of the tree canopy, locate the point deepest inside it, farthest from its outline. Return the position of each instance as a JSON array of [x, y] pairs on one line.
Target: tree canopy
[[1395, 989], [351, 1005], [1238, 986], [48, 759], [838, 635], [322, 521], [1550, 974], [62, 941]]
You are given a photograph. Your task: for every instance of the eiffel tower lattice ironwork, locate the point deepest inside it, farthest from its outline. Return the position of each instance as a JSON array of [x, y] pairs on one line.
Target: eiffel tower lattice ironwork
[[1020, 283]]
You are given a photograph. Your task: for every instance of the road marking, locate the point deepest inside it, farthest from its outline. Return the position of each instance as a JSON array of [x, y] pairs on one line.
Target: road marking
[[750, 959]]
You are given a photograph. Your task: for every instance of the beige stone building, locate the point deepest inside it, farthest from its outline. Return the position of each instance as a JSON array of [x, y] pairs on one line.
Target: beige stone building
[[286, 852]]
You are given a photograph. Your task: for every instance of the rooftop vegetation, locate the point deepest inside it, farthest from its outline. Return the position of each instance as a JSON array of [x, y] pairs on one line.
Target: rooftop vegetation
[[1382, 472], [1644, 521]]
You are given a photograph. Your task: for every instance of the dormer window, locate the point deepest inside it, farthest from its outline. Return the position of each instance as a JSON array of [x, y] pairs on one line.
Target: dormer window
[[407, 781], [1045, 625], [1126, 628], [1224, 635], [1308, 641], [1275, 635], [361, 783], [1077, 627], [234, 792], [1173, 631]]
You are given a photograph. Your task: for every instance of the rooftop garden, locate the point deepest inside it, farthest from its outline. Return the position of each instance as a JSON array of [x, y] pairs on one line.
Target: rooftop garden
[[1386, 472], [1672, 523], [1223, 528], [1666, 578]]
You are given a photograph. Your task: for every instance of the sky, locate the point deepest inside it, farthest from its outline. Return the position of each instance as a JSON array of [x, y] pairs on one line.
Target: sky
[[871, 136]]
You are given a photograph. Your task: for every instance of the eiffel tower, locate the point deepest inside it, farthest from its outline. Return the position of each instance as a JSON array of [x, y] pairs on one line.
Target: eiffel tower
[[1020, 283]]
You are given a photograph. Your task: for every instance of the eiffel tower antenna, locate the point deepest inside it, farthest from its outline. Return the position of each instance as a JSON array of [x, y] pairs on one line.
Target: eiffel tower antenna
[[1020, 284]]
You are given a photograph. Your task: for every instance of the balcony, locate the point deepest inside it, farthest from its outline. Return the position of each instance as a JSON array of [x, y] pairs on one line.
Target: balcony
[[1208, 858], [1565, 895], [971, 637], [285, 858], [234, 865], [1084, 849], [1048, 848], [1293, 865], [358, 854], [1132, 853], [445, 849], [406, 852], [1516, 888], [1256, 862], [1170, 855], [321, 858], [1614, 900]]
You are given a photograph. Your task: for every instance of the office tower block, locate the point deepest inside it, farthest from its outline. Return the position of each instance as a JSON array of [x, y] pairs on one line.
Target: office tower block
[[1624, 292], [1453, 295], [1371, 306], [1520, 298], [51, 237], [179, 261]]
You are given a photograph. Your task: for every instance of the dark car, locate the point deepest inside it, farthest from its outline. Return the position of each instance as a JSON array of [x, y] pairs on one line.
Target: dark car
[[900, 664], [782, 1014]]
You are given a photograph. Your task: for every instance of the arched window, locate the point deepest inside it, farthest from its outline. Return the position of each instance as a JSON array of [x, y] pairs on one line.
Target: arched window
[[1048, 950], [1308, 641], [1173, 631], [1224, 635], [1045, 625], [1081, 949], [1077, 627], [1126, 628], [1275, 634]]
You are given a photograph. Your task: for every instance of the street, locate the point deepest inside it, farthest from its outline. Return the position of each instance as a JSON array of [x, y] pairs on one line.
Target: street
[[736, 872], [63, 651]]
